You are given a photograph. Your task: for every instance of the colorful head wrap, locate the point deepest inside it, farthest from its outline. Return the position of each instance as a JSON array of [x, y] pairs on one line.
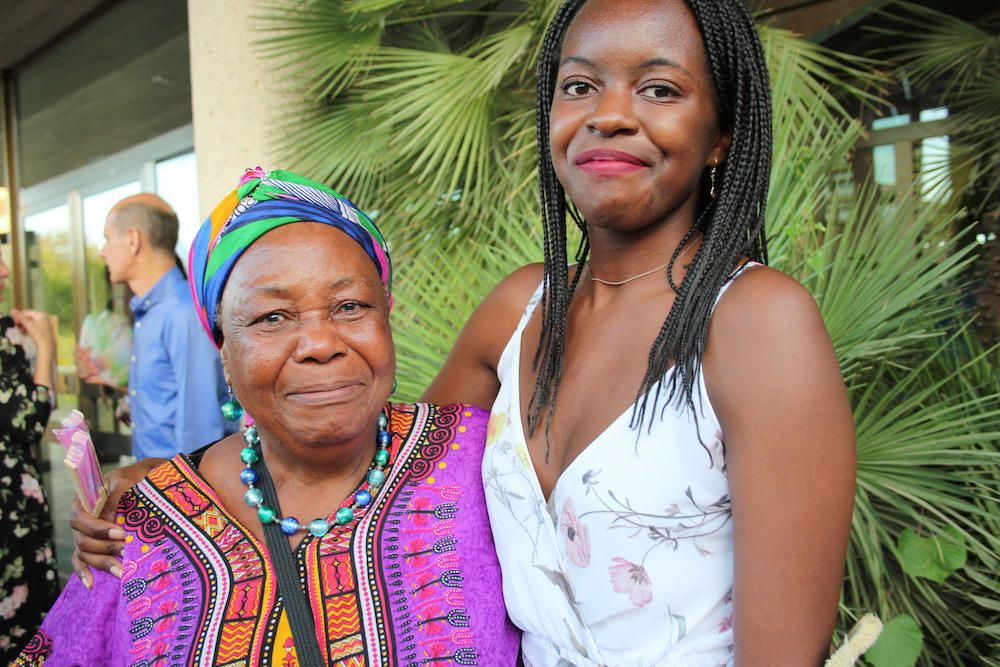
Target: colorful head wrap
[[261, 202]]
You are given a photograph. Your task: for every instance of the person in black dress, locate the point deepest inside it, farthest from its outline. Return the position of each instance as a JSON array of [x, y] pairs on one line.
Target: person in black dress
[[28, 583]]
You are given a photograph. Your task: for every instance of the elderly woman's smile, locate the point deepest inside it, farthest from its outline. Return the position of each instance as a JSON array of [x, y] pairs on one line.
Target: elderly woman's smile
[[327, 394], [306, 339]]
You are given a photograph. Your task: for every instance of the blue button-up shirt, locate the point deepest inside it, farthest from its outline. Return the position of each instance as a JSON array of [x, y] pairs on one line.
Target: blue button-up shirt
[[175, 380]]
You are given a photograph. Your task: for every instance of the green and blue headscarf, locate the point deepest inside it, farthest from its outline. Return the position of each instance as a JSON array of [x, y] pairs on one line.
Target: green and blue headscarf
[[261, 202]]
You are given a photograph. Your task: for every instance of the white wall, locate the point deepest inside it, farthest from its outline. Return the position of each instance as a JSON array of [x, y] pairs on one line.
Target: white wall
[[235, 97]]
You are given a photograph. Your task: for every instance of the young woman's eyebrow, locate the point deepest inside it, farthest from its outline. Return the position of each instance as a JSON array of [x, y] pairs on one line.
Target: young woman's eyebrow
[[646, 64], [661, 62]]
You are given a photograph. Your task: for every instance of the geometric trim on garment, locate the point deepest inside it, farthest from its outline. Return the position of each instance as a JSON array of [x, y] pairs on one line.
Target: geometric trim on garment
[[429, 433], [222, 636], [404, 574]]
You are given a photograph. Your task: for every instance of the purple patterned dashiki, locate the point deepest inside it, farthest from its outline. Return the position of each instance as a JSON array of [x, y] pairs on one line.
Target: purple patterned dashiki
[[413, 582]]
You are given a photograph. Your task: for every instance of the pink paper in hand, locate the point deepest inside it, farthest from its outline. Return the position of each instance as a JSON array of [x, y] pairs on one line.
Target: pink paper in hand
[[70, 425], [81, 460]]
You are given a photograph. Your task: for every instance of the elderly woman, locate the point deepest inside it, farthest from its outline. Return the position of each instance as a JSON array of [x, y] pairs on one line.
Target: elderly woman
[[224, 562]]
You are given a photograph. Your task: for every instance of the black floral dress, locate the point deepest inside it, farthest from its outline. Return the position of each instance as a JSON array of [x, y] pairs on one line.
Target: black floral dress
[[28, 583]]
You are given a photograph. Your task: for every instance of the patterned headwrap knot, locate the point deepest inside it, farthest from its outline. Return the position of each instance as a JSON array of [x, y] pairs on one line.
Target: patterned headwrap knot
[[261, 202]]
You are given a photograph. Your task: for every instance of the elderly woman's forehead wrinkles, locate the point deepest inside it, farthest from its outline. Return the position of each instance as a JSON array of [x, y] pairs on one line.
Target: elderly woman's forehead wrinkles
[[275, 287]]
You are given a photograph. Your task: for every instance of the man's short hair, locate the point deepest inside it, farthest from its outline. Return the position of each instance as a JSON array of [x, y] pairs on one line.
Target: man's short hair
[[158, 224]]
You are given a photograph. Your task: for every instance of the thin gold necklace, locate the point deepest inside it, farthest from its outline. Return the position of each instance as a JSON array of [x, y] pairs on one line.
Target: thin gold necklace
[[616, 283]]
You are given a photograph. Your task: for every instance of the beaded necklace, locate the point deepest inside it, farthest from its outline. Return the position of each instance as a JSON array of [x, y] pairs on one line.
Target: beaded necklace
[[319, 527]]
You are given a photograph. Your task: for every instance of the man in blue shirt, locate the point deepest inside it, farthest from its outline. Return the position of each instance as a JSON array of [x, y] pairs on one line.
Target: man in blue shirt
[[175, 383]]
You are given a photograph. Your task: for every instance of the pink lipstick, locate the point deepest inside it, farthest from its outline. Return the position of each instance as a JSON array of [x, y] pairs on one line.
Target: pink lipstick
[[600, 161]]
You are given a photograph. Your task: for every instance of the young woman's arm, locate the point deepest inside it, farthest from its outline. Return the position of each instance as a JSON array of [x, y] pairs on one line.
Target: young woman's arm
[[776, 386], [469, 375]]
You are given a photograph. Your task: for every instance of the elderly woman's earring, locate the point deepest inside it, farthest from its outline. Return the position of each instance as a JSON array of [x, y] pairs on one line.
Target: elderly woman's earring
[[231, 409], [711, 176], [394, 385]]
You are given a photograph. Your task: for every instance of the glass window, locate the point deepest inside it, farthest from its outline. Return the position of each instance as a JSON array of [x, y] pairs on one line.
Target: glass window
[[95, 212], [884, 157], [177, 183], [50, 279], [935, 160]]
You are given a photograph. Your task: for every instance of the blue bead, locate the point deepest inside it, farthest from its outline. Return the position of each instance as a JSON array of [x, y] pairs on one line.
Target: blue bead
[[383, 421], [290, 525], [319, 527], [383, 438], [363, 497], [375, 477], [253, 497], [249, 476]]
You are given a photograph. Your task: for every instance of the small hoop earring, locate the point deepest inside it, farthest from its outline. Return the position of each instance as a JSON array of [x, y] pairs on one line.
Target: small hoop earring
[[394, 387], [711, 176], [231, 409]]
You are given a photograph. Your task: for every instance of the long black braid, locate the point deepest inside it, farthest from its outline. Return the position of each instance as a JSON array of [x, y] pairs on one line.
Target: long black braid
[[731, 223]]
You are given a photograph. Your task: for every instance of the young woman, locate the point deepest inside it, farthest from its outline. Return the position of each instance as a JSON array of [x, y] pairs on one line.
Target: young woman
[[670, 462], [670, 466]]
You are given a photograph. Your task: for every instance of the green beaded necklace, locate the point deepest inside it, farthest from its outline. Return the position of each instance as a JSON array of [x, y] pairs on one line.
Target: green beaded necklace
[[253, 497]]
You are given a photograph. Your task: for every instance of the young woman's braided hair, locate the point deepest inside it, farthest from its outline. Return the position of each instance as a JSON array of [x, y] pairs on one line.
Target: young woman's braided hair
[[731, 224]]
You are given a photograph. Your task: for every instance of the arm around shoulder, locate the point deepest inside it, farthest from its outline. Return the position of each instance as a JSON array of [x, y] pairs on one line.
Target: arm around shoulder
[[777, 388], [469, 374]]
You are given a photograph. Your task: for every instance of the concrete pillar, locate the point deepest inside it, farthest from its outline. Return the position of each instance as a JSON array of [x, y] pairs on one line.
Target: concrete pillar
[[235, 97]]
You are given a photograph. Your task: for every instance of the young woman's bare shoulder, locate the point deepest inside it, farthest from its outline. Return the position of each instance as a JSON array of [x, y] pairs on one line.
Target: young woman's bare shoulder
[[767, 331], [469, 375], [764, 302], [493, 322], [512, 293]]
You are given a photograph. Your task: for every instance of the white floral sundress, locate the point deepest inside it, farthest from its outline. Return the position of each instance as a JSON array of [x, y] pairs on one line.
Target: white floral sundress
[[630, 561]]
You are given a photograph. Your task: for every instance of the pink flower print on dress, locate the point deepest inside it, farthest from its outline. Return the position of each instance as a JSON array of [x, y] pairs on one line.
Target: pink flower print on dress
[[9, 605], [631, 578], [30, 488], [14, 336], [575, 536], [495, 427]]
